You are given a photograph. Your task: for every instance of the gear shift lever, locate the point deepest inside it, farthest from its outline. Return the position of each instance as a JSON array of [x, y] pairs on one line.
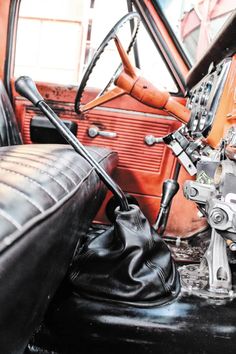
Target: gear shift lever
[[169, 189], [26, 87]]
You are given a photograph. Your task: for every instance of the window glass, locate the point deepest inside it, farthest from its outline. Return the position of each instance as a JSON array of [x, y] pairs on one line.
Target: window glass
[[56, 39], [101, 24], [51, 39], [152, 65]]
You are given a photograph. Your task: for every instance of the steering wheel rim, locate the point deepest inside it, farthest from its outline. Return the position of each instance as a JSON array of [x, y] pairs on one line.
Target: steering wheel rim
[[112, 35]]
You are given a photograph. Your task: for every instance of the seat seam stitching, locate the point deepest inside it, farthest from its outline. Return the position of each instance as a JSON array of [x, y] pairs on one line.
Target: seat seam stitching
[[37, 206], [8, 217], [41, 171], [42, 157], [31, 180], [47, 164]]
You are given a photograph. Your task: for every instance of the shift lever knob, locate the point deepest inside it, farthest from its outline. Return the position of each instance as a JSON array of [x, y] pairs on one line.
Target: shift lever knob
[[26, 87], [169, 189]]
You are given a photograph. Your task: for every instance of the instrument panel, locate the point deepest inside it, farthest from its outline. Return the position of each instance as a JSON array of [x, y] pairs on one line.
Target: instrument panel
[[204, 99]]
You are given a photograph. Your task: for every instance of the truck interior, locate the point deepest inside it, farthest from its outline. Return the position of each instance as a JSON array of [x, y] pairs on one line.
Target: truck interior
[[117, 176]]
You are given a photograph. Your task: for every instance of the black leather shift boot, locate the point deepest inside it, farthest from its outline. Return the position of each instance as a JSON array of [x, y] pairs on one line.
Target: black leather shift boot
[[128, 263]]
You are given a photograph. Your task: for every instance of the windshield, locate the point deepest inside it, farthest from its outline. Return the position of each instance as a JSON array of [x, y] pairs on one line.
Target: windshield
[[196, 23]]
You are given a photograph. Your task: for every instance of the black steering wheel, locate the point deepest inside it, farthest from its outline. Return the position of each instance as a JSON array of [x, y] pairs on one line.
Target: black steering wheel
[[106, 95]]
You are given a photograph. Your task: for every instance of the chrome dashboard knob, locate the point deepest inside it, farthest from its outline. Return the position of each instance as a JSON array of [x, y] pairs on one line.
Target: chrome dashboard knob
[[94, 131], [151, 140]]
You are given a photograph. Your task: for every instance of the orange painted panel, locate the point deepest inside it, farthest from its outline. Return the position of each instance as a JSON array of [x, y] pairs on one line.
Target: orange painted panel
[[184, 219], [4, 15]]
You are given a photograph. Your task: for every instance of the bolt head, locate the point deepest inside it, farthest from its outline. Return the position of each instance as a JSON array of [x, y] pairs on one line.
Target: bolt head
[[232, 246], [193, 192], [218, 216]]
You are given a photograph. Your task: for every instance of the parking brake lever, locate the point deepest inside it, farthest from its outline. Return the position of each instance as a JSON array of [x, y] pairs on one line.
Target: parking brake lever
[[26, 87], [169, 189]]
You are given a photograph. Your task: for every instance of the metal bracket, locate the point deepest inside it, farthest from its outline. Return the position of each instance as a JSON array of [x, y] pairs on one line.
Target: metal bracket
[[215, 261], [198, 192], [183, 157], [211, 279]]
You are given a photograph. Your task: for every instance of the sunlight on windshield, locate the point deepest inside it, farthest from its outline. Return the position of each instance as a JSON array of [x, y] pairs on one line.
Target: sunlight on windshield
[[196, 23]]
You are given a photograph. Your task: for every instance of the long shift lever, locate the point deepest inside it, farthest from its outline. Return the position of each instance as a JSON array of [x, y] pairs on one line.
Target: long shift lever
[[26, 87], [169, 190]]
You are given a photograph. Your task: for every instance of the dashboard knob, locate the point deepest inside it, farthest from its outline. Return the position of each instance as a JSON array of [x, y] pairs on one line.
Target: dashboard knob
[[204, 99], [151, 140], [196, 98]]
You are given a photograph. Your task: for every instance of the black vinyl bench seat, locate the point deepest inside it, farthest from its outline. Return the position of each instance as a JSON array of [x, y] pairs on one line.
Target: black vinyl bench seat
[[48, 197]]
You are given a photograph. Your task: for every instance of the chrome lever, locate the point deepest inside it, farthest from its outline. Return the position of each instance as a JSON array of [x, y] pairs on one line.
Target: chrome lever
[[151, 140], [95, 131]]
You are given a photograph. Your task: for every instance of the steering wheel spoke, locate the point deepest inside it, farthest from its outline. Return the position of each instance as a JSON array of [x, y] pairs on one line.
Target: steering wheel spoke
[[108, 96], [128, 67]]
